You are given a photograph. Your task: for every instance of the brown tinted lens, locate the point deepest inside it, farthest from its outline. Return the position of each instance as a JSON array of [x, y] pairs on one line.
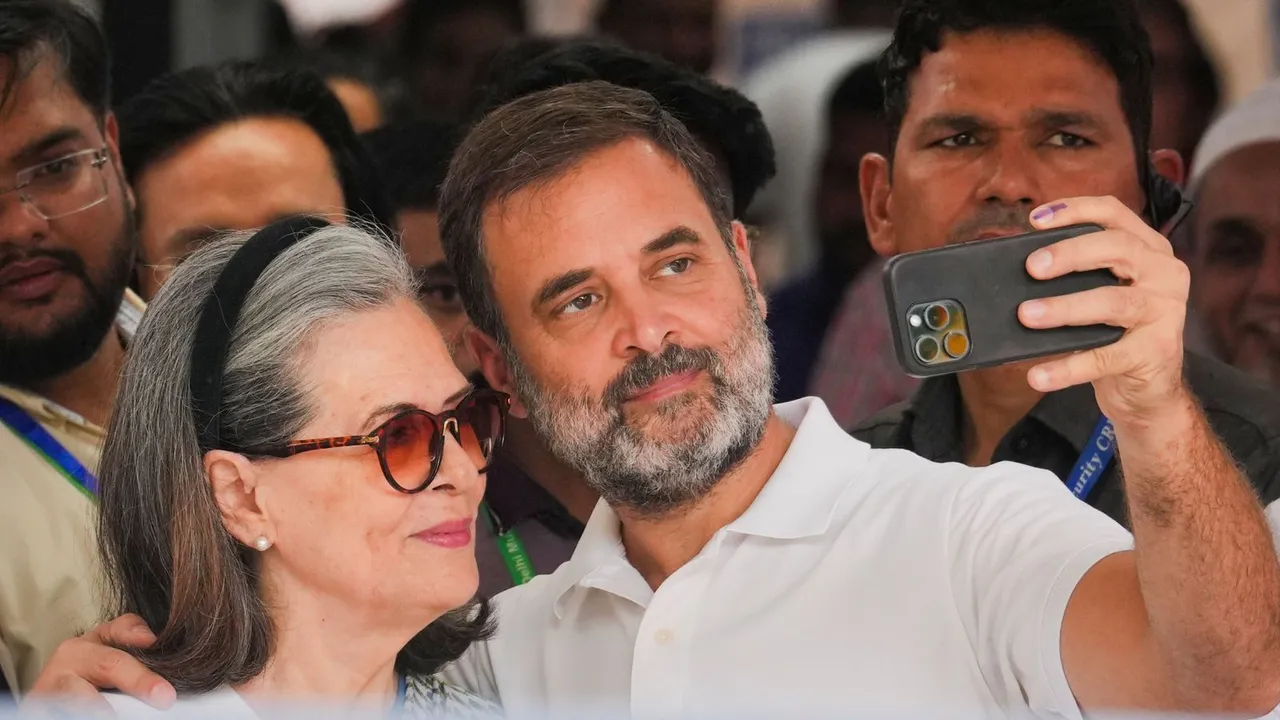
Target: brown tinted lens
[[480, 428], [407, 449]]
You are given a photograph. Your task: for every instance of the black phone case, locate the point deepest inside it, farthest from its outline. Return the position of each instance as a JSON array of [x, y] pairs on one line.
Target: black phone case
[[989, 279]]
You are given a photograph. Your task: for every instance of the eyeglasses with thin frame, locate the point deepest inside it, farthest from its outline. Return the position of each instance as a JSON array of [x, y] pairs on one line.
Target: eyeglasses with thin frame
[[63, 186], [410, 445]]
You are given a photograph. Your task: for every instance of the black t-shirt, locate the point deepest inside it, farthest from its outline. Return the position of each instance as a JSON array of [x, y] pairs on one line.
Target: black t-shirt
[[1244, 413]]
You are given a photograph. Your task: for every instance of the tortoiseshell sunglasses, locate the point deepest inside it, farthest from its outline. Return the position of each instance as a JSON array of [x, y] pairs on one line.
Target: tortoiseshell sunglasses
[[411, 444]]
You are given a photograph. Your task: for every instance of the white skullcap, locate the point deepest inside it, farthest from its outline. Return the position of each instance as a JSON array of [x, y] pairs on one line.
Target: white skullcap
[[1252, 121]]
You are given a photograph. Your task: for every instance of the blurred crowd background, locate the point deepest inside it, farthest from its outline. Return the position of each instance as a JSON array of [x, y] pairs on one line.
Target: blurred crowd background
[[392, 59]]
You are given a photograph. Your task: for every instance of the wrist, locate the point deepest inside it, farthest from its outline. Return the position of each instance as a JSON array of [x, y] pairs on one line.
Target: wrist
[[1156, 426]]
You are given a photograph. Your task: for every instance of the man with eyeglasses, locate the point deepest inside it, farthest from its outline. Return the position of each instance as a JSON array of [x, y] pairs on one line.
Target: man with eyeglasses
[[66, 252]]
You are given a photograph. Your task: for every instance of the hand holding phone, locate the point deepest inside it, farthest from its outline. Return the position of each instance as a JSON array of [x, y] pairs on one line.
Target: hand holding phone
[[1137, 379], [1103, 286], [956, 308]]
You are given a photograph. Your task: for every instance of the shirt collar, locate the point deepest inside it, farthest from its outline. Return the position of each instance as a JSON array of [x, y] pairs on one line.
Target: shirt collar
[[935, 417], [801, 497], [47, 411], [799, 501]]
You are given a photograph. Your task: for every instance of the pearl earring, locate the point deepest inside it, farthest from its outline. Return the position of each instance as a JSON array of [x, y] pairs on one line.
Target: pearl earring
[[262, 543]]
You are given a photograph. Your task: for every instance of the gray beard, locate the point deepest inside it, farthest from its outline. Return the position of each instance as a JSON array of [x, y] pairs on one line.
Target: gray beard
[[707, 434]]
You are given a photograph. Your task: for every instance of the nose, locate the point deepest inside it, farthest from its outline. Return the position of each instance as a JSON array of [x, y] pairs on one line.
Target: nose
[[1009, 175], [645, 325], [458, 474], [19, 223]]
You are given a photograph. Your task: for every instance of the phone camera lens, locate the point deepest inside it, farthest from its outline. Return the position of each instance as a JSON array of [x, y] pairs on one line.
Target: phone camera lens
[[956, 345], [937, 317], [927, 349]]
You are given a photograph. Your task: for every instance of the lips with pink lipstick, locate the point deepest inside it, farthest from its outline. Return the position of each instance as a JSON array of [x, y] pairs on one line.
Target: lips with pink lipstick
[[450, 535]]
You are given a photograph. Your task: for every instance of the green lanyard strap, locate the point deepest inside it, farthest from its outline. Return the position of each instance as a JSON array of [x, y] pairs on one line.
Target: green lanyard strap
[[517, 559]]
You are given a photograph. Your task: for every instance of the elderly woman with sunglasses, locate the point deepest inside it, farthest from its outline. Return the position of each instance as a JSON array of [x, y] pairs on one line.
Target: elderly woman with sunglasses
[[291, 480]]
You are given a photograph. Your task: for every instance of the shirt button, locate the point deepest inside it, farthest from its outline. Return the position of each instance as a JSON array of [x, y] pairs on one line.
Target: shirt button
[[664, 637]]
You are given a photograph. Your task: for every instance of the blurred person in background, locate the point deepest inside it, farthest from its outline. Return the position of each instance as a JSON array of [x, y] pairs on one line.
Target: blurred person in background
[[1186, 88], [686, 32], [355, 80], [857, 373], [275, 566], [792, 91], [1234, 235], [984, 135], [67, 247], [233, 147], [801, 311], [412, 159], [445, 46], [725, 122], [864, 13]]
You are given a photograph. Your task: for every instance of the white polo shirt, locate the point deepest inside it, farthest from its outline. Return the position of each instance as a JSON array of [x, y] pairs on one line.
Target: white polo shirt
[[859, 580]]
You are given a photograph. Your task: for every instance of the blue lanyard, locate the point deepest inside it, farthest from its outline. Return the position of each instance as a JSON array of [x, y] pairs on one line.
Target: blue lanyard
[[1094, 460], [48, 447], [402, 692]]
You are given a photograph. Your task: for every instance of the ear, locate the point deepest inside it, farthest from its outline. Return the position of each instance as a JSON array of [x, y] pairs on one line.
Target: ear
[[493, 364], [1171, 165], [742, 249], [111, 130], [875, 181], [235, 481]]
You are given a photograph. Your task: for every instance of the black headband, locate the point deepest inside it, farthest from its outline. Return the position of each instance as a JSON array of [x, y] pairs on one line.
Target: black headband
[[222, 310]]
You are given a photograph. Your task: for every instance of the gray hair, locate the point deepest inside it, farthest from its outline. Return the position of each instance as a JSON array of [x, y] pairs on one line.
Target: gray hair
[[167, 554]]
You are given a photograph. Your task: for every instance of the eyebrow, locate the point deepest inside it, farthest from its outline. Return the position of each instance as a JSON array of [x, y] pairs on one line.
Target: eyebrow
[[1065, 118], [963, 122], [562, 283], [952, 123], [552, 288], [397, 408], [434, 271], [672, 238], [40, 146], [1235, 225], [190, 238]]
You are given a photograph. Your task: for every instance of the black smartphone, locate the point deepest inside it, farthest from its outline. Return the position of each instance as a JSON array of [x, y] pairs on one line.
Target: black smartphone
[[956, 308]]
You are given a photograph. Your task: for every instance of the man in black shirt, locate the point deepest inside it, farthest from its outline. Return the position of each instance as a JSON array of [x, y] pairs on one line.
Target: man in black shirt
[[972, 160]]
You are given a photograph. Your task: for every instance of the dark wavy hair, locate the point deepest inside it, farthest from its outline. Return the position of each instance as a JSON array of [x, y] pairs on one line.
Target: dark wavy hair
[[412, 160], [174, 109], [64, 30], [1111, 29], [724, 121]]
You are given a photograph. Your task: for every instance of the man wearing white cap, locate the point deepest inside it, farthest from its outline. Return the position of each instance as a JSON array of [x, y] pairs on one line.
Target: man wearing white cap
[[1234, 235]]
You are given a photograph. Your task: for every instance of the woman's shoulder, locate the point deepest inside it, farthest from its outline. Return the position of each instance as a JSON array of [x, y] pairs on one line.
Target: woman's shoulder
[[221, 703], [430, 696]]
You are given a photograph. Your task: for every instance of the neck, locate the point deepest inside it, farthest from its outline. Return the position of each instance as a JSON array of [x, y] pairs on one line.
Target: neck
[[89, 388], [324, 647], [564, 484], [994, 401], [658, 546]]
